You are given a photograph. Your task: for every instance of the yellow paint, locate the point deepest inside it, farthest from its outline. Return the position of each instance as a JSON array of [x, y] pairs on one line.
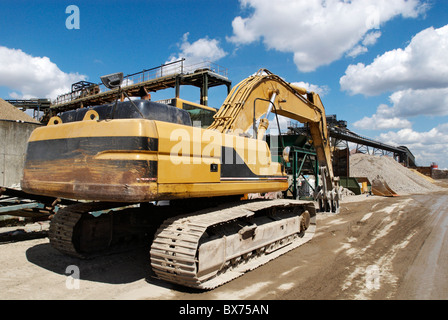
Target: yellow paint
[[92, 128]]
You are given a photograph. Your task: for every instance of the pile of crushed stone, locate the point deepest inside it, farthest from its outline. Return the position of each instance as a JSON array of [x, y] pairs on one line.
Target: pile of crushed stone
[[399, 178], [9, 112]]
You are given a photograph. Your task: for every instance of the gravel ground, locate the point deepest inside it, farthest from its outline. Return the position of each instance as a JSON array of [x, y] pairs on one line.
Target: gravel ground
[[376, 248]]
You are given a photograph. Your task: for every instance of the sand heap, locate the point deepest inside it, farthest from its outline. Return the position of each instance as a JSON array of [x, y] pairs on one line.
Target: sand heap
[[9, 112], [400, 179]]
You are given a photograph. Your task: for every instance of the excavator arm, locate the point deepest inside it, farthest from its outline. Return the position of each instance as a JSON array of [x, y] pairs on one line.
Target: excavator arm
[[264, 92]]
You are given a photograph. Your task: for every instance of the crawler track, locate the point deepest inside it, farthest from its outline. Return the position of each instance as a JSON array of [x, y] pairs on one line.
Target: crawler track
[[211, 247], [203, 249], [61, 230], [74, 232]]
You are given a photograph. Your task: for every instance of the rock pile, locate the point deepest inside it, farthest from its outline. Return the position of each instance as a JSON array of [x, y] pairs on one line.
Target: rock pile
[[399, 178], [9, 112]]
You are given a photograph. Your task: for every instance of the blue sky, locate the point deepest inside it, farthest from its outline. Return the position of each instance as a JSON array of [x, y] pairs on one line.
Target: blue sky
[[380, 65]]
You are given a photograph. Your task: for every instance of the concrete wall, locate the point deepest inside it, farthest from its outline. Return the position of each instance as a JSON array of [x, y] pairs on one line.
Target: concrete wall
[[13, 140]]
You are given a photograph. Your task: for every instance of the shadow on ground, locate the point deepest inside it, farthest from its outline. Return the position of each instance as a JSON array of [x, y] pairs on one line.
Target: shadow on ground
[[116, 268]]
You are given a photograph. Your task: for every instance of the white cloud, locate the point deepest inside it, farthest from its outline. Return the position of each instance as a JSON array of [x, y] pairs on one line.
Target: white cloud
[[242, 34], [33, 77], [356, 51], [406, 104], [369, 40], [318, 32], [376, 122], [201, 50], [426, 146], [421, 65], [426, 102], [320, 90], [417, 75]]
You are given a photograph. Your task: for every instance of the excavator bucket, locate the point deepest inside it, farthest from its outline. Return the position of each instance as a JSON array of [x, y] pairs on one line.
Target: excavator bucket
[[381, 188]]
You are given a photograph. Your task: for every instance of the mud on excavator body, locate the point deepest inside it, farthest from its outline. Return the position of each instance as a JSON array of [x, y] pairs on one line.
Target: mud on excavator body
[[139, 160]]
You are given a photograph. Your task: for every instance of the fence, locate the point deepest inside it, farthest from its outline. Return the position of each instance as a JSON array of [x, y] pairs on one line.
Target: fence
[[167, 69]]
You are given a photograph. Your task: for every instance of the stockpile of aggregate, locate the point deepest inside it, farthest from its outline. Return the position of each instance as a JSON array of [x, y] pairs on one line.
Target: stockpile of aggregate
[[399, 178], [9, 112]]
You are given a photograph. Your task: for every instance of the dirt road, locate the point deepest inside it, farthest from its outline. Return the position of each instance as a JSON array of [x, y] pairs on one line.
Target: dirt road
[[376, 248]]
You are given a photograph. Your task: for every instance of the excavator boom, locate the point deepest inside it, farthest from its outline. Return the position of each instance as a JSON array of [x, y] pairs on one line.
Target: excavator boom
[[253, 97]]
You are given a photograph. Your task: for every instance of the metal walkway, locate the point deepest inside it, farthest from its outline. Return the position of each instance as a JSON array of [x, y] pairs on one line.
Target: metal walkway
[[341, 136], [403, 153], [204, 75], [37, 105]]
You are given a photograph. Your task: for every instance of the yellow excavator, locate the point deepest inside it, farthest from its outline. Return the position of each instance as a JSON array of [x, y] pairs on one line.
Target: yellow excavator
[[124, 159]]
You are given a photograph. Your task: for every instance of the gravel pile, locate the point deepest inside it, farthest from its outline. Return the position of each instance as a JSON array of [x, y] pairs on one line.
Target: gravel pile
[[9, 112], [400, 179]]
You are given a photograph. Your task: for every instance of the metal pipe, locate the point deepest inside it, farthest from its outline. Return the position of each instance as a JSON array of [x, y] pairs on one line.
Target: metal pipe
[[271, 104]]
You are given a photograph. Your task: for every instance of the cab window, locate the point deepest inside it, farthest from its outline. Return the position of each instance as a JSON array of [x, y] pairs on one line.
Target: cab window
[[205, 117]]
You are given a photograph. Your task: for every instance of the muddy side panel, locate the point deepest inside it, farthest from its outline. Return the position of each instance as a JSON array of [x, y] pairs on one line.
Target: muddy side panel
[[105, 161], [136, 160]]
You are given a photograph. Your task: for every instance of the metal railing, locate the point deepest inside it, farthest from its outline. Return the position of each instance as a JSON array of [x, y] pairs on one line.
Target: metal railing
[[164, 70]]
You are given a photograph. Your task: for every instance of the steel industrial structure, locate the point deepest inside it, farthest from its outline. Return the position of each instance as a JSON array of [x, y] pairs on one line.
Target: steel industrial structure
[[341, 137], [204, 75], [366, 145], [37, 105]]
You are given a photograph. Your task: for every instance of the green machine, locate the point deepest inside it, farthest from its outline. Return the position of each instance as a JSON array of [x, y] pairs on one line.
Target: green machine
[[303, 160]]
